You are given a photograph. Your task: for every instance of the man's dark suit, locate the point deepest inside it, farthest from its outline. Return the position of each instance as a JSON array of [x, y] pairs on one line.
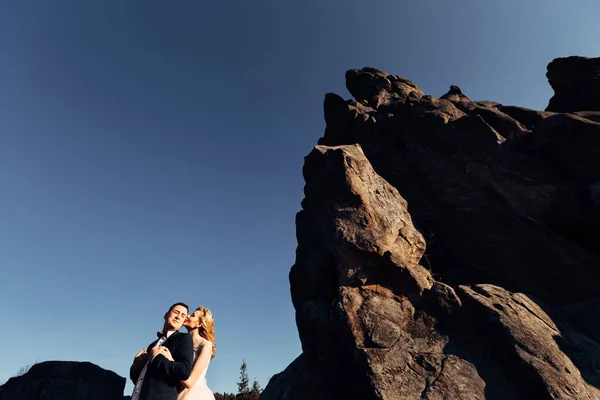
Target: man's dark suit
[[163, 376]]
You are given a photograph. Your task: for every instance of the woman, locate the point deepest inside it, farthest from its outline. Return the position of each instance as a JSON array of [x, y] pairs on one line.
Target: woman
[[201, 325]]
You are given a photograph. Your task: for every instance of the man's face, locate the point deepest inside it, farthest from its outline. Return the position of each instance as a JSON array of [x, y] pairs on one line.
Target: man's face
[[174, 318]]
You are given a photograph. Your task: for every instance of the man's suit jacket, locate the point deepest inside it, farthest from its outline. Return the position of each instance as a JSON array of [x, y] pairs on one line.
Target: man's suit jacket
[[162, 377]]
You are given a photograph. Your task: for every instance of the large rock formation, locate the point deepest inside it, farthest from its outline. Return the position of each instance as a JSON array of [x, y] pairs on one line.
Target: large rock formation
[[447, 249], [64, 380]]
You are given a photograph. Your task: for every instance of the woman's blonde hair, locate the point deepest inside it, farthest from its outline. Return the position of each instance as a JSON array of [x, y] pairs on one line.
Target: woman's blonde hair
[[206, 327]]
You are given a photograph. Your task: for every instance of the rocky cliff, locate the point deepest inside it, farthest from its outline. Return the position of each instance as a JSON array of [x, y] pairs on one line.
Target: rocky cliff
[[449, 248]]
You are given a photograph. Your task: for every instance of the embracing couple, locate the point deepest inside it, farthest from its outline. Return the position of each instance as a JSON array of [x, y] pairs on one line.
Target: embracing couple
[[174, 366]]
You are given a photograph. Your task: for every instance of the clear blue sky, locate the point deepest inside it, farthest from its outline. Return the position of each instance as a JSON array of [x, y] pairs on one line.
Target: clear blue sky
[[151, 152]]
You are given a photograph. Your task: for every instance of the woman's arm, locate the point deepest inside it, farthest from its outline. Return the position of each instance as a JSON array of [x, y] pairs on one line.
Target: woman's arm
[[182, 354], [199, 366]]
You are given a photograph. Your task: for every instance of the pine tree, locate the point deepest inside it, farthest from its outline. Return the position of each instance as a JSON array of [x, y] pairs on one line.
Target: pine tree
[[224, 396], [243, 388], [255, 391]]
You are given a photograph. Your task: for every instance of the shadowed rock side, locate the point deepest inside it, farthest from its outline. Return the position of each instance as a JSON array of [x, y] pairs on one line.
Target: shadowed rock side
[[447, 249], [576, 84], [64, 380]]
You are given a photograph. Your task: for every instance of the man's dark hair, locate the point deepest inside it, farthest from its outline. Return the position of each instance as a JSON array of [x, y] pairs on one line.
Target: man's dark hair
[[180, 304]]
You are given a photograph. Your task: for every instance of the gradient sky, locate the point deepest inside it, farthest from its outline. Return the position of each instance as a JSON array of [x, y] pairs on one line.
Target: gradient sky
[[151, 152]]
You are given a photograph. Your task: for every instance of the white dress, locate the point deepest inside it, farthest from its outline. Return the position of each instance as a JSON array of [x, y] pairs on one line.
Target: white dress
[[200, 391]]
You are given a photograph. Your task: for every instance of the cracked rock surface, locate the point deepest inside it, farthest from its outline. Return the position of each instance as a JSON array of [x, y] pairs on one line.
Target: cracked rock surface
[[447, 249]]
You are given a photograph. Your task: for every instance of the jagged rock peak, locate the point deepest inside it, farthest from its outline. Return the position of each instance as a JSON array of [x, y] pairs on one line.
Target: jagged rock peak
[[374, 87], [576, 84], [454, 90], [455, 94]]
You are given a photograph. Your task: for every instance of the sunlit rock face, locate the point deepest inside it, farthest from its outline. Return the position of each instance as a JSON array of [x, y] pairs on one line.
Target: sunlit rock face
[[447, 249]]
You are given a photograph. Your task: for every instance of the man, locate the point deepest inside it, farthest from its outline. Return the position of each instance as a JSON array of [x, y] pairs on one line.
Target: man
[[155, 377]]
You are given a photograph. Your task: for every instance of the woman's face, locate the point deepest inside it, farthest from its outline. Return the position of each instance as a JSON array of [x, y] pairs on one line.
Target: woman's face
[[193, 320]]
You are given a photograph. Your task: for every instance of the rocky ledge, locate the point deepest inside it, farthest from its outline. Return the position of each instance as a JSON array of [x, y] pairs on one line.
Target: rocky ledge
[[449, 248], [64, 380]]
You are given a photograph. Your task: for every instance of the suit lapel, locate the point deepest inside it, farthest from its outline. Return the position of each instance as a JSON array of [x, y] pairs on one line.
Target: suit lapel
[[151, 345], [169, 338]]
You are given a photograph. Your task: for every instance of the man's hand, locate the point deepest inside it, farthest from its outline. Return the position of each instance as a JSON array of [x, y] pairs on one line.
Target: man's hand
[[138, 364], [140, 357], [141, 353], [155, 351]]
